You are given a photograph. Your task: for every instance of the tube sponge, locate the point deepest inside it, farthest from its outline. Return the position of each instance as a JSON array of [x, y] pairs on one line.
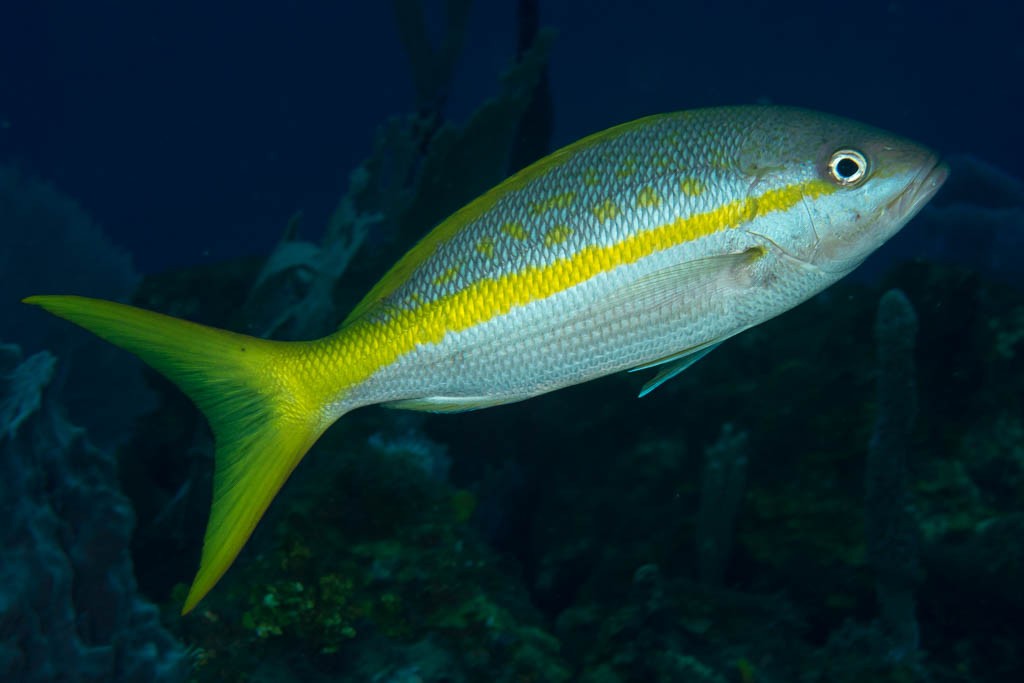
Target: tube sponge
[[893, 536]]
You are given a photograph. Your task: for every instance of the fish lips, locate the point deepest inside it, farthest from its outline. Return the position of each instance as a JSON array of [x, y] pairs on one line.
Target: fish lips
[[920, 190]]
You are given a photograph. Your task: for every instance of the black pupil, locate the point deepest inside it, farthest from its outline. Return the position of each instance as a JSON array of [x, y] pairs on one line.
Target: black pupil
[[847, 167]]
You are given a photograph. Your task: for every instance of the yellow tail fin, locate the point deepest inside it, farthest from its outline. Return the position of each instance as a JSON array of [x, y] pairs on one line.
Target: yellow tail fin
[[252, 392]]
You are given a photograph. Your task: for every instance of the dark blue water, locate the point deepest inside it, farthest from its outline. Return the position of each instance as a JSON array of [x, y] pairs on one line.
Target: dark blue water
[[194, 131]]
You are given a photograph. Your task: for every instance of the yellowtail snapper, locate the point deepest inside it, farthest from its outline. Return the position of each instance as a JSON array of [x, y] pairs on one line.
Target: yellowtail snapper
[[642, 246]]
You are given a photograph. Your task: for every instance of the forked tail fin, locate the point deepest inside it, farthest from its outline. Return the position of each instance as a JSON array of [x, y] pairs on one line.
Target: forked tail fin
[[252, 392]]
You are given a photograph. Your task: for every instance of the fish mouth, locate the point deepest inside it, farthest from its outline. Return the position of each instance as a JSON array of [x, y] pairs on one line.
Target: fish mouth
[[921, 189]]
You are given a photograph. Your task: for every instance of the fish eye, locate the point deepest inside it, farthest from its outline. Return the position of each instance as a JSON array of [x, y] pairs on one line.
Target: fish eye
[[847, 166]]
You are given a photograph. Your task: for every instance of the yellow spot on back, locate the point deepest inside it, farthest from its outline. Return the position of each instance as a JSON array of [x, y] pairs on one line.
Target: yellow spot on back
[[486, 246], [558, 201], [627, 169], [447, 276], [606, 210], [691, 187], [414, 299], [591, 177], [515, 230], [647, 198], [557, 235]]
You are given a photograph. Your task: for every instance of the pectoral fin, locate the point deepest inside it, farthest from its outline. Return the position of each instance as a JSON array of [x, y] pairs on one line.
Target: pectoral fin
[[698, 279]]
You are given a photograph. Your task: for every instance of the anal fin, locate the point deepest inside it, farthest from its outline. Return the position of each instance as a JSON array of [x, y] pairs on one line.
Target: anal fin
[[446, 404]]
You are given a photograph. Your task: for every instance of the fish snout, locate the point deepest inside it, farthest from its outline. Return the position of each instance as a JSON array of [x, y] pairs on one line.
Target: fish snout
[[920, 190]]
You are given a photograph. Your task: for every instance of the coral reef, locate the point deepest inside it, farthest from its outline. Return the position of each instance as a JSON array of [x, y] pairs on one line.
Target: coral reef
[[380, 558], [69, 609]]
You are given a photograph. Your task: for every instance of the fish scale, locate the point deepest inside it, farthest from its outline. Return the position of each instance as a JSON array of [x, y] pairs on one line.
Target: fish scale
[[644, 246]]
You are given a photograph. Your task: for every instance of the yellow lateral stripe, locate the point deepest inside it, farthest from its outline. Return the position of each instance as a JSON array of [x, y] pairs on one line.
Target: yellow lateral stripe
[[489, 298]]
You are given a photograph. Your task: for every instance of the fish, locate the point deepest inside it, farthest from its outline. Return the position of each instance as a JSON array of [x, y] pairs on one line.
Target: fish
[[643, 246]]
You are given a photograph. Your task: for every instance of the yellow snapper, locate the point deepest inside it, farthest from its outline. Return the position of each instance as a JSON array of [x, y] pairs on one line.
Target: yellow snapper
[[643, 246]]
